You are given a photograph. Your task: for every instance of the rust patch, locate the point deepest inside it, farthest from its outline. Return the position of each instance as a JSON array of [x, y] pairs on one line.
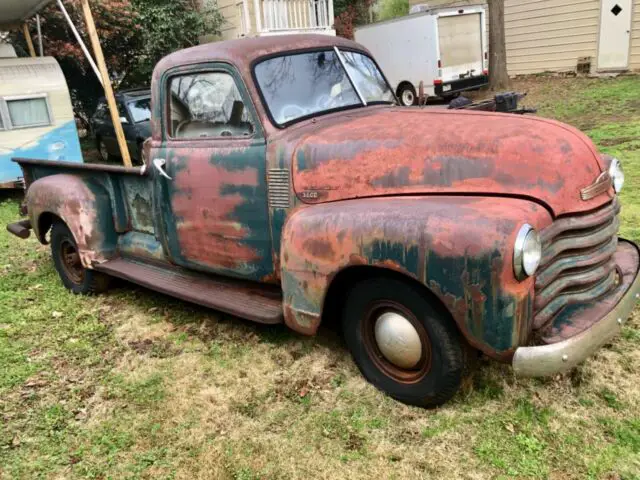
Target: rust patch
[[203, 209]]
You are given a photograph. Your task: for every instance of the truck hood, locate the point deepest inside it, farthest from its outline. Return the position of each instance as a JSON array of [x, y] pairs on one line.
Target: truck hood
[[399, 151]]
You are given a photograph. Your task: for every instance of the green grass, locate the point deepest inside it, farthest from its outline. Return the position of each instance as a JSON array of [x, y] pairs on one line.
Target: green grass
[[133, 384]]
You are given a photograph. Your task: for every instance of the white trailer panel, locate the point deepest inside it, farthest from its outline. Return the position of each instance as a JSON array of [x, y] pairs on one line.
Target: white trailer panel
[[442, 48]]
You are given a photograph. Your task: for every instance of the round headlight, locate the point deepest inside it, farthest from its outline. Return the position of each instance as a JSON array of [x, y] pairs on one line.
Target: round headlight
[[527, 252], [617, 174]]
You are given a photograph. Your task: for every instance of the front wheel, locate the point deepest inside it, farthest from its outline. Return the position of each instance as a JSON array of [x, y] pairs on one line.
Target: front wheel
[[66, 259], [401, 344], [407, 95]]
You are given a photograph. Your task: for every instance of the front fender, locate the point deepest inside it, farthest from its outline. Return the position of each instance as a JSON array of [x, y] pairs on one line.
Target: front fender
[[460, 247], [84, 206]]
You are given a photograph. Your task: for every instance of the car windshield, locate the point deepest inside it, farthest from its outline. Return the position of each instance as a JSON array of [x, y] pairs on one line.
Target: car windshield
[[303, 84], [140, 110]]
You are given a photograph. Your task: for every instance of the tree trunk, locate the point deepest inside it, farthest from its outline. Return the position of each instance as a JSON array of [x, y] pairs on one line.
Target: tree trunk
[[498, 77]]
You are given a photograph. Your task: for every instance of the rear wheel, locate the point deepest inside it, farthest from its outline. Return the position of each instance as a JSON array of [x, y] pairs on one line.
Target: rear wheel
[[66, 259], [401, 344], [407, 94]]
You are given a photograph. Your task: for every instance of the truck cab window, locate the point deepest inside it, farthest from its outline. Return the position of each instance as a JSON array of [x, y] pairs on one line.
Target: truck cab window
[[206, 105]]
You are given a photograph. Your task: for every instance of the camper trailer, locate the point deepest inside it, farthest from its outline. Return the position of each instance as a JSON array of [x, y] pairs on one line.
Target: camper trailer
[[36, 116]]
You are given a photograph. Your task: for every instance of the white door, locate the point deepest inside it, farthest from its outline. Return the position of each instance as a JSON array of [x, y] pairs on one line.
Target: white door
[[615, 34]]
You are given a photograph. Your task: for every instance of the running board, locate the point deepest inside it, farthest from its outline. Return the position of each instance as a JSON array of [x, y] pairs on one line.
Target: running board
[[250, 300]]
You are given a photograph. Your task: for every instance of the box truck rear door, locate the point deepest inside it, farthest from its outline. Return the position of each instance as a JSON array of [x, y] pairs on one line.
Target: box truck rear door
[[460, 45]]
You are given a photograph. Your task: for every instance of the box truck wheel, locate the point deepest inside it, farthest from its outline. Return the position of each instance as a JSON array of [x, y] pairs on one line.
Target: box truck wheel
[[407, 94], [401, 343]]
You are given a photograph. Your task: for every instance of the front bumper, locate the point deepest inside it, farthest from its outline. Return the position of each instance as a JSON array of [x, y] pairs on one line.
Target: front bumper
[[544, 360], [457, 86]]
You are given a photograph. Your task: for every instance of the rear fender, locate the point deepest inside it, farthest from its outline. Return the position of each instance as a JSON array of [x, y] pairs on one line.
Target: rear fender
[[83, 205], [460, 248]]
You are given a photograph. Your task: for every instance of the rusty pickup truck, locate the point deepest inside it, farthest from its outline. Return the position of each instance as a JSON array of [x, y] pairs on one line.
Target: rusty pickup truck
[[284, 184]]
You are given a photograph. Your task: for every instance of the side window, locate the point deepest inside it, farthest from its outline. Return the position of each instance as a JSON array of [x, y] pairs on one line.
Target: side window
[[1, 122], [207, 105], [28, 112]]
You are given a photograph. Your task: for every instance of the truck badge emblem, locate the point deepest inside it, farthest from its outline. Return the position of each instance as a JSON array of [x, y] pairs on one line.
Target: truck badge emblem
[[601, 185]]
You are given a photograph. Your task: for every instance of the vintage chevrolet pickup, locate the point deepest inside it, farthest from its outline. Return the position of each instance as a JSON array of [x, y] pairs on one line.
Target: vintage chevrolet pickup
[[283, 183]]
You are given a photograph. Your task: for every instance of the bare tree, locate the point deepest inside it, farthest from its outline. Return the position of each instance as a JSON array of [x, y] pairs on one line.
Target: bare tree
[[498, 77]]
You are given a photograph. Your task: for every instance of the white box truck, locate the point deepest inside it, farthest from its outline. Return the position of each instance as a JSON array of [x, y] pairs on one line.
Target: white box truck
[[446, 48]]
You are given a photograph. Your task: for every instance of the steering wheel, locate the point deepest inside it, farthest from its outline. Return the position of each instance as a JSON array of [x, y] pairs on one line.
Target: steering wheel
[[325, 101], [292, 111]]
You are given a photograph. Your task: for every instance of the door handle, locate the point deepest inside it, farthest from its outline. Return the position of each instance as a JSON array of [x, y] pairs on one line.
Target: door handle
[[158, 163]]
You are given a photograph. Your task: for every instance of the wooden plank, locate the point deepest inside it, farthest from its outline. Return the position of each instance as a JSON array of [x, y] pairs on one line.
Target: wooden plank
[[106, 81], [27, 37]]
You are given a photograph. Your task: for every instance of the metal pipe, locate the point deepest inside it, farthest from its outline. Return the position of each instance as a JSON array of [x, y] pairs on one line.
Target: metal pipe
[[39, 35], [79, 39]]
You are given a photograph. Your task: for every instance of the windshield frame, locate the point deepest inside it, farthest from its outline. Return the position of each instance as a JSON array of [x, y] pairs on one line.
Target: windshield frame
[[331, 48]]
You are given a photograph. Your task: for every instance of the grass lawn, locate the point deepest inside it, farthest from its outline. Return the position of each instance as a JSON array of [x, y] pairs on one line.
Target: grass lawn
[[133, 384]]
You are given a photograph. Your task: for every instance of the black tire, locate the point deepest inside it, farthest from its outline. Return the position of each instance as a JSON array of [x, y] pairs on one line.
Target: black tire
[[66, 260], [407, 95], [438, 374]]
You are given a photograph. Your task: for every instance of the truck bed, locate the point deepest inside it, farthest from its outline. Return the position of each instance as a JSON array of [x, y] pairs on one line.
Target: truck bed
[[128, 188]]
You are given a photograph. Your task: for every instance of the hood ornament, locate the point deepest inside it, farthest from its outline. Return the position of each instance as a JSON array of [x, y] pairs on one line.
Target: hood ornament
[[601, 185]]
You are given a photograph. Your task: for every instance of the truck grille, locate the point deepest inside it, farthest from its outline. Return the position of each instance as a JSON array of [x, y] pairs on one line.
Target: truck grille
[[577, 261]]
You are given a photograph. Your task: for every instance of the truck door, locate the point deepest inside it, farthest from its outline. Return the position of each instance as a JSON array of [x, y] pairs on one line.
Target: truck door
[[210, 174]]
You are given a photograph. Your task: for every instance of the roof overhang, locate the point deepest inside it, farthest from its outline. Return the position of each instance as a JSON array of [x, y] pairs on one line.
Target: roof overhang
[[14, 12]]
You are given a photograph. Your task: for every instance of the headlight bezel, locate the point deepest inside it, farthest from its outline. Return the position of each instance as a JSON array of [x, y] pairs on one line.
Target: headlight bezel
[[527, 237], [616, 172]]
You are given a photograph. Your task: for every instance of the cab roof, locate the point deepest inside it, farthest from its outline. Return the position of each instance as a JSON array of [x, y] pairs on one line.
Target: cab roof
[[244, 51]]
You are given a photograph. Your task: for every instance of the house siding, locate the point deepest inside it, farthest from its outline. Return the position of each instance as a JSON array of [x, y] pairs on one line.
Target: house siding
[[550, 35], [634, 57]]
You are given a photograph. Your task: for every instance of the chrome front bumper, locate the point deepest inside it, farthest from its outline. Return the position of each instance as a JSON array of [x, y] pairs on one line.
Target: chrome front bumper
[[544, 360]]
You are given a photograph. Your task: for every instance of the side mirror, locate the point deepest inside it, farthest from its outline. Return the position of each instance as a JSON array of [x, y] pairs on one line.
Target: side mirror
[[124, 120]]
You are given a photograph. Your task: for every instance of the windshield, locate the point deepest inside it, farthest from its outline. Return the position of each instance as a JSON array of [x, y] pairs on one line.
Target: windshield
[[299, 85], [140, 110]]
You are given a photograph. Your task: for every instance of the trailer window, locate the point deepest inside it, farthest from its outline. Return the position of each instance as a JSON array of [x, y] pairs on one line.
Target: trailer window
[[28, 112]]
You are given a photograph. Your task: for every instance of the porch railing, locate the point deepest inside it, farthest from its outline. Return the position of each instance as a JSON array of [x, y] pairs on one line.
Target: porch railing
[[282, 16]]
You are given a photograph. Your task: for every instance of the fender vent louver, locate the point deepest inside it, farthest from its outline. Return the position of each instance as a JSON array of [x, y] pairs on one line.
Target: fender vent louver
[[279, 189]]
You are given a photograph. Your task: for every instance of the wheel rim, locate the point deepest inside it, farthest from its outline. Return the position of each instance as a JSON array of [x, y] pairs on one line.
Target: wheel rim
[[408, 97], [71, 261], [103, 150], [396, 342]]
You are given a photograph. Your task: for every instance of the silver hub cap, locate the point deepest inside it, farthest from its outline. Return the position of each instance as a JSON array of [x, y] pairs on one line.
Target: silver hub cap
[[398, 340], [407, 97]]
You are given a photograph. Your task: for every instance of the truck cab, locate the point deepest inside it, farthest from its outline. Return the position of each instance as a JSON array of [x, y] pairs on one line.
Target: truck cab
[[283, 183]]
